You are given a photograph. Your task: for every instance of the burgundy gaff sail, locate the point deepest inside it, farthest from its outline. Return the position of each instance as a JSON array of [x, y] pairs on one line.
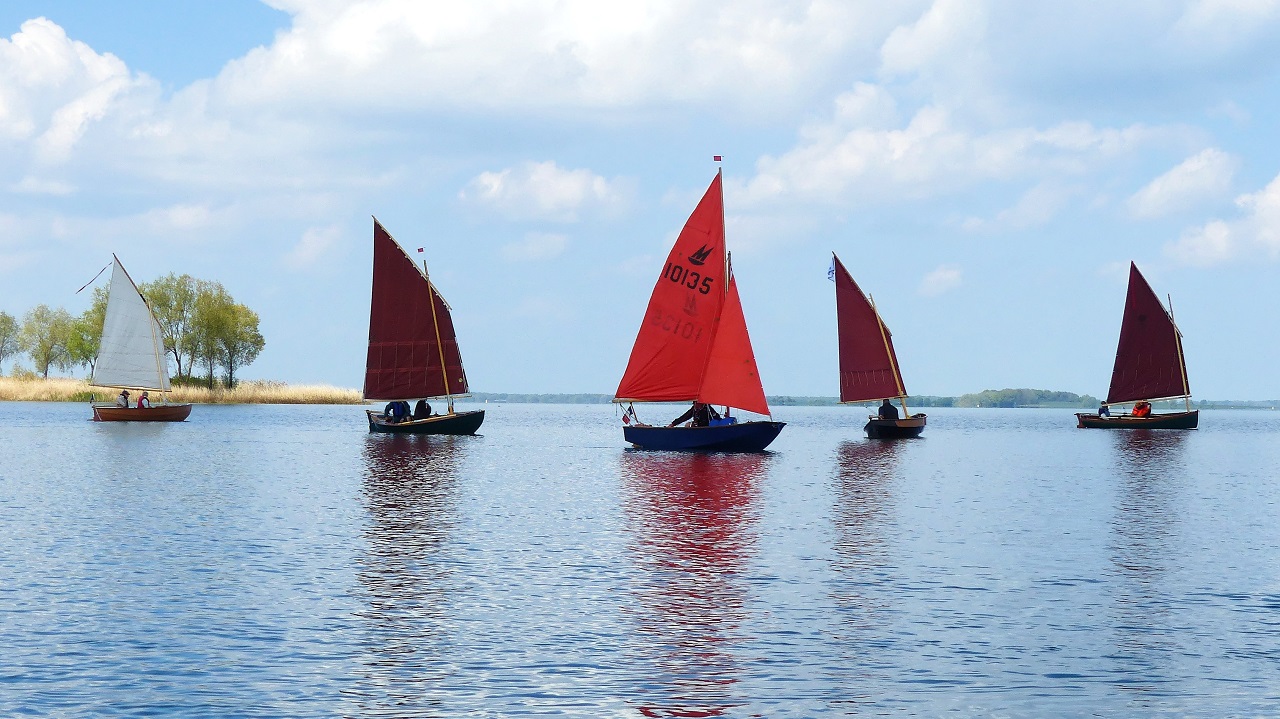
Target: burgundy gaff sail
[[868, 364], [693, 343], [413, 351], [1149, 361]]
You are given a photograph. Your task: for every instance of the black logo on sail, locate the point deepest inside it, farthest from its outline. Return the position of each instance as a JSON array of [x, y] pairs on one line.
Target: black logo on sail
[[700, 257], [691, 306]]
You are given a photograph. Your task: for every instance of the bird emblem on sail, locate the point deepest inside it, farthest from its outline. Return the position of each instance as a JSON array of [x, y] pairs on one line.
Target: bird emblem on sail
[[691, 306], [699, 257]]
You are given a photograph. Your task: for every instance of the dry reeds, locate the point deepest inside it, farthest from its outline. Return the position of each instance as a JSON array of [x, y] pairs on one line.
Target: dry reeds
[[61, 389]]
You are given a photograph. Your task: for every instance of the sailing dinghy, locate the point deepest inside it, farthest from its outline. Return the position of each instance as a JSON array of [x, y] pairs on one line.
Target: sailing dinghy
[[868, 364], [413, 350], [693, 346], [1149, 364], [131, 355]]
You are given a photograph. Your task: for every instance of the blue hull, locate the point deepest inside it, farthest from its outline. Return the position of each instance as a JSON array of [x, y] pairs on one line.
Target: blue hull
[[743, 437]]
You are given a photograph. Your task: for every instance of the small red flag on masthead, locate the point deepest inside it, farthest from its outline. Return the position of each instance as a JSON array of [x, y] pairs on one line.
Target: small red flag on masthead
[[717, 158], [419, 249]]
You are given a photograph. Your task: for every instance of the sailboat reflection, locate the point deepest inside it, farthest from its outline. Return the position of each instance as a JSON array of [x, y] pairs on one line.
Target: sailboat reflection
[[1143, 551], [692, 517], [409, 493], [864, 472]]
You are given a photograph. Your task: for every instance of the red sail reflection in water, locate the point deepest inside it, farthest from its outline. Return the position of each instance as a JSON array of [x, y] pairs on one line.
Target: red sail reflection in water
[[409, 492], [692, 517]]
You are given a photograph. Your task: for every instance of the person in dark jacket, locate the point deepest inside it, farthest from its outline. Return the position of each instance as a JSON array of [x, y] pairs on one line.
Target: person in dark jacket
[[887, 410], [421, 410]]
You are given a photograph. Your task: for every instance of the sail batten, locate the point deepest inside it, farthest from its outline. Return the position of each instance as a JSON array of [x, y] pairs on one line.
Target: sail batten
[[693, 343], [131, 354], [413, 348], [868, 364], [1149, 360]]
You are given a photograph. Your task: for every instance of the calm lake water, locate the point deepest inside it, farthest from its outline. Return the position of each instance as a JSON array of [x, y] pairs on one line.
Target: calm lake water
[[279, 561]]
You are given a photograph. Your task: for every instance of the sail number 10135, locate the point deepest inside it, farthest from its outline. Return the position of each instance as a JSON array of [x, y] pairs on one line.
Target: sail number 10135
[[689, 278]]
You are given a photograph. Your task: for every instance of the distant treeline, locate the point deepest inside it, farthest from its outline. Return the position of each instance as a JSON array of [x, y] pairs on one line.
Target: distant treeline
[[986, 398]]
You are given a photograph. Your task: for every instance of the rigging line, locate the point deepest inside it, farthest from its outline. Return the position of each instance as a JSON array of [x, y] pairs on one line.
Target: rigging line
[[95, 277]]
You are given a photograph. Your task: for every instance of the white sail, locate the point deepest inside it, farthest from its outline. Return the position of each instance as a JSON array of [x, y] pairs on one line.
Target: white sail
[[132, 350]]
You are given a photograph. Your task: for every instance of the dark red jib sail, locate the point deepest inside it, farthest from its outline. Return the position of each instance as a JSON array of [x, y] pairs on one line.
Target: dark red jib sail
[[868, 365], [1149, 362], [413, 351], [672, 359]]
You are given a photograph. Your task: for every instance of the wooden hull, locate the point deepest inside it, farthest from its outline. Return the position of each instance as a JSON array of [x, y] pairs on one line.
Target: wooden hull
[[1172, 420], [895, 428], [159, 413], [741, 437], [459, 423]]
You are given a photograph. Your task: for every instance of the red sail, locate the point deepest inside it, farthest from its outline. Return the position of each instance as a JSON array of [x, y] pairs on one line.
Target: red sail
[[732, 378], [1149, 362], [406, 332], [868, 365], [669, 357]]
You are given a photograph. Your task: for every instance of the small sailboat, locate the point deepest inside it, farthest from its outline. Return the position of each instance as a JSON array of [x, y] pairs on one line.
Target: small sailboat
[[1149, 365], [868, 364], [693, 347], [413, 350], [131, 356]]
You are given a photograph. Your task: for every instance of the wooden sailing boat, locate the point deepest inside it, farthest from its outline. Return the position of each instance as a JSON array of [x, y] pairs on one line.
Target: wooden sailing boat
[[868, 364], [413, 351], [693, 346], [1149, 364], [131, 356]]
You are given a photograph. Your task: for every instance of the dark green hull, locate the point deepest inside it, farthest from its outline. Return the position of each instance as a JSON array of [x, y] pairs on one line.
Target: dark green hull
[[460, 423]]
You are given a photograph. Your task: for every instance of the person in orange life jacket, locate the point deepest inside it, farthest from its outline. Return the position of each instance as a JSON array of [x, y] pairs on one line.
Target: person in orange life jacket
[[143, 402], [1142, 409]]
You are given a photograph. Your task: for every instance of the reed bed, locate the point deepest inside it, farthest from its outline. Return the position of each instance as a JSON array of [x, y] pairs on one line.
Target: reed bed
[[63, 389]]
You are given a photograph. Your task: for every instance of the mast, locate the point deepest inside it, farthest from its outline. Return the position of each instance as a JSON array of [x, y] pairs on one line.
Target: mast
[[435, 322], [1182, 360], [897, 376]]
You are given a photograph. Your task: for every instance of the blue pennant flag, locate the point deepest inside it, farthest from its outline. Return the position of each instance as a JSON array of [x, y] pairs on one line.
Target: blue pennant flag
[[831, 272]]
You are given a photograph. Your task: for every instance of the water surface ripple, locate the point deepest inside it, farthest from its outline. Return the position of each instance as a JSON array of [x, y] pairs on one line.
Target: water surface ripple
[[282, 562]]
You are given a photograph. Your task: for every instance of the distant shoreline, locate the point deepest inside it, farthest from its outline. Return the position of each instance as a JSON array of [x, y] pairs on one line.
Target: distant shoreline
[[64, 389]]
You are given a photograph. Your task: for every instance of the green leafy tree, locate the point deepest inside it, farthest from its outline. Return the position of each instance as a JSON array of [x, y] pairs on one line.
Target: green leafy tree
[[9, 332], [211, 320], [173, 301], [85, 339], [239, 341], [44, 337]]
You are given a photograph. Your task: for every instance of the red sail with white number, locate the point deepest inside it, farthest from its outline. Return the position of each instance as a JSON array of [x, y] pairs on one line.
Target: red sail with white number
[[693, 344], [1149, 360], [413, 351], [868, 364]]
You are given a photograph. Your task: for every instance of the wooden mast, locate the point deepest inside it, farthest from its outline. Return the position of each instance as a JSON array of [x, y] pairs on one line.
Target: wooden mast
[[435, 322], [1182, 360], [897, 376]]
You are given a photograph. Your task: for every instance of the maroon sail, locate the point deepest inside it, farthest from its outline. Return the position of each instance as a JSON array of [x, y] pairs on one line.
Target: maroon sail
[[868, 365], [1149, 362], [413, 351]]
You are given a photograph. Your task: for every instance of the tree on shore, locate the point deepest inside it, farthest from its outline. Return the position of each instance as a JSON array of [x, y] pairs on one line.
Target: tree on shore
[[85, 337], [173, 301], [44, 337], [240, 342], [9, 331], [224, 334]]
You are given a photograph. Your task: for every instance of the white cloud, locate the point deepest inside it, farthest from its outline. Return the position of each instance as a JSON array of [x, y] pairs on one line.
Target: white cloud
[[535, 246], [35, 186], [943, 279], [316, 242], [1205, 175], [1257, 230], [543, 190], [1037, 207]]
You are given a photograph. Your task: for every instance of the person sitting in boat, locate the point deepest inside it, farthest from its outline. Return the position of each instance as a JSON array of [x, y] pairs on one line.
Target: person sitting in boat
[[700, 413], [143, 402], [1104, 410], [887, 410], [123, 399], [421, 410], [1142, 409], [396, 412]]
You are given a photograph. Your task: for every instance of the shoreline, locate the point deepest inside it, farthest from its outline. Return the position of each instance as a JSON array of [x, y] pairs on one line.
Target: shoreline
[[67, 389]]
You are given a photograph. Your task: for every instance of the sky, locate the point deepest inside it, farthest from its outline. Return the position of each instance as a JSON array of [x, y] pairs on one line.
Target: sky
[[985, 169]]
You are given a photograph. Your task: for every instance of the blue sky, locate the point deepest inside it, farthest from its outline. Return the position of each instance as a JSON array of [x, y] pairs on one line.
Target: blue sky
[[986, 170]]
